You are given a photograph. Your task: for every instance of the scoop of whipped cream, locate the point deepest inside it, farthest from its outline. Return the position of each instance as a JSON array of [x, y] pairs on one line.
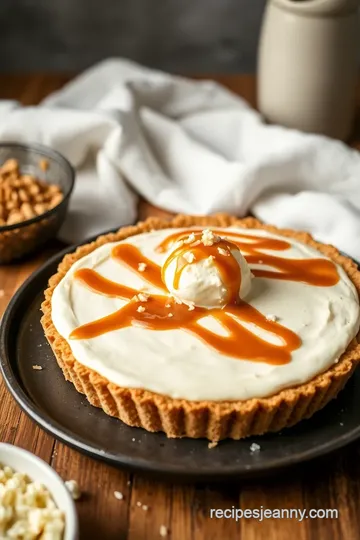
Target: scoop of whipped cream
[[207, 271]]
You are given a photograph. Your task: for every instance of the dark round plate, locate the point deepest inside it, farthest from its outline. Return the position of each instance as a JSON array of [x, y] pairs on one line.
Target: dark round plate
[[57, 407]]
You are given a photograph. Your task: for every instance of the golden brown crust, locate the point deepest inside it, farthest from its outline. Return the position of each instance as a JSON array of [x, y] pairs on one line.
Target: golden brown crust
[[210, 419]]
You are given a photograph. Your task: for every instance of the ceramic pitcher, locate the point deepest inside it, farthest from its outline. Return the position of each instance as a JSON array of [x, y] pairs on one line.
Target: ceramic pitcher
[[308, 65]]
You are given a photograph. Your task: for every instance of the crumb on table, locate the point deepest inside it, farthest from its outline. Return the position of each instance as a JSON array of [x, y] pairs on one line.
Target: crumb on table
[[212, 444], [73, 488], [255, 447]]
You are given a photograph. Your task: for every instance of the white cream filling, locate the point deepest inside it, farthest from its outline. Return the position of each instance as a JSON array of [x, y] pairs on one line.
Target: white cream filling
[[176, 363]]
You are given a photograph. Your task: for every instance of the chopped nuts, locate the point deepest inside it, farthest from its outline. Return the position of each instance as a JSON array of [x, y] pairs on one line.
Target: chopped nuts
[[178, 243], [23, 196], [142, 266], [271, 317], [27, 210], [140, 309], [36, 367], [39, 208], [212, 445], [189, 257], [208, 238], [27, 509], [209, 260], [170, 315], [141, 297], [73, 488], [190, 239], [223, 251], [44, 164], [168, 305], [118, 495], [163, 531], [254, 447], [10, 166], [196, 243]]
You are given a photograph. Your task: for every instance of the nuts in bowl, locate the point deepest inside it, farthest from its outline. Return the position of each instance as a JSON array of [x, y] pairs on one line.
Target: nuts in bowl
[[27, 509], [34, 501], [23, 196], [35, 186]]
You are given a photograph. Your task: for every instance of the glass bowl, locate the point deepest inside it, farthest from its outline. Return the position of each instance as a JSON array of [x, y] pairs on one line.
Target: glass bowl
[[22, 238]]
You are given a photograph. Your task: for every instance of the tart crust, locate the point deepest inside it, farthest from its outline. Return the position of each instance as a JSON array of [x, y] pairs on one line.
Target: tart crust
[[214, 420]]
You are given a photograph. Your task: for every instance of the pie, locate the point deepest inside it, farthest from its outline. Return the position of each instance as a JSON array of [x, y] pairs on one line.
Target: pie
[[212, 327]]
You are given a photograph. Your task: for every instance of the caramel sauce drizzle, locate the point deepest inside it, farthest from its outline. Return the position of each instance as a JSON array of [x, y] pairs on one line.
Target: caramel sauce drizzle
[[159, 312], [318, 272]]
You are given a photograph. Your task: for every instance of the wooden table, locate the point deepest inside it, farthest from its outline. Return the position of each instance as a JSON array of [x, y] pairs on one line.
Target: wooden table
[[184, 510]]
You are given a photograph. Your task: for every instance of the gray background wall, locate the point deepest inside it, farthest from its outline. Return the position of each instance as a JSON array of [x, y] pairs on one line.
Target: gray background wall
[[177, 35]]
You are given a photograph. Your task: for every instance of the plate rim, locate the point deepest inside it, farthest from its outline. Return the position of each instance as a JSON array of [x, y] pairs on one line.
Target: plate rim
[[71, 439]]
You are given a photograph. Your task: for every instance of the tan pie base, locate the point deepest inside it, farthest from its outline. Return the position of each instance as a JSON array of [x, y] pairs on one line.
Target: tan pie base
[[214, 420]]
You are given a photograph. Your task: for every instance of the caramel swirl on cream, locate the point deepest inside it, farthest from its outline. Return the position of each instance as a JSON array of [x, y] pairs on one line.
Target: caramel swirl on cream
[[320, 272], [155, 314]]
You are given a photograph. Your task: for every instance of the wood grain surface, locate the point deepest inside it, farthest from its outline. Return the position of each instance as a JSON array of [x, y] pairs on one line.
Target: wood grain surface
[[184, 510]]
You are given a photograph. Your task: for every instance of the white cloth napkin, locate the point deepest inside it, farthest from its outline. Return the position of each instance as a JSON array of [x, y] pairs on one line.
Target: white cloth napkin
[[191, 147]]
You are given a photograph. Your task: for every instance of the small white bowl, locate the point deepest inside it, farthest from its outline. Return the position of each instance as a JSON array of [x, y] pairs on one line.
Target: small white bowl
[[25, 462]]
